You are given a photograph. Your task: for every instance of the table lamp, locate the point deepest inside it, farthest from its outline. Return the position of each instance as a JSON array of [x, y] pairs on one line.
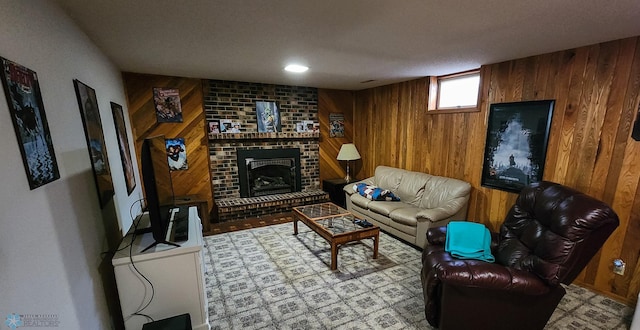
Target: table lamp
[[348, 152]]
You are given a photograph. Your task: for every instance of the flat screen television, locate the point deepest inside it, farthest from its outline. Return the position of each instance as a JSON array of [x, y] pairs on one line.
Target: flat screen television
[[158, 188]]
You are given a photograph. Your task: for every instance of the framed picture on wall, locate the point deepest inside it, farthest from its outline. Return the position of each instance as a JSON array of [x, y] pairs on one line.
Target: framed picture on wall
[[90, 114], [176, 154], [123, 144], [22, 90], [167, 104], [336, 125], [268, 116], [516, 145]]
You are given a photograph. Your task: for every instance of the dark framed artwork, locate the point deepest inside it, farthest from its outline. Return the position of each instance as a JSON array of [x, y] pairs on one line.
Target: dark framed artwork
[[176, 154], [516, 145], [336, 125], [167, 104], [22, 90], [123, 144], [268, 117], [90, 113]]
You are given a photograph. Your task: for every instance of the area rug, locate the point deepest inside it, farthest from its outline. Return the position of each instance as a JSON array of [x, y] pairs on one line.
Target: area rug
[[268, 278]]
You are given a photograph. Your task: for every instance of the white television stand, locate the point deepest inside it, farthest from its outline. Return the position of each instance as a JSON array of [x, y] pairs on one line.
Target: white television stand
[[177, 275]]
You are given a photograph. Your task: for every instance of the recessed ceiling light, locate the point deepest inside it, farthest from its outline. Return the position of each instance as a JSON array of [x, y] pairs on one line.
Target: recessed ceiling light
[[296, 68]]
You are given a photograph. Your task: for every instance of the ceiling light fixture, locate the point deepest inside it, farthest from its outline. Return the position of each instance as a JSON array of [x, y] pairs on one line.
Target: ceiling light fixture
[[296, 68]]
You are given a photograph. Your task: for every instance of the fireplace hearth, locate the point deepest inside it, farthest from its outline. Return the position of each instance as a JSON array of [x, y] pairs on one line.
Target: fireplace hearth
[[264, 172]]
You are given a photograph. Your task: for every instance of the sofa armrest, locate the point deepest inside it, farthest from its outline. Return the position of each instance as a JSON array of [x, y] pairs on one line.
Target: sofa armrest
[[466, 273], [433, 215], [437, 235], [348, 188], [442, 212]]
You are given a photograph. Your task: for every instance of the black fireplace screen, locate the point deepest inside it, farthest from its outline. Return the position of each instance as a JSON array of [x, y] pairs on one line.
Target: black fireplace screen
[[268, 171]]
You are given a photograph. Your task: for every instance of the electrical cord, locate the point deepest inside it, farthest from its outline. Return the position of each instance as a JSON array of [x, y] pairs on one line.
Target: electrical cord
[[113, 252], [130, 245]]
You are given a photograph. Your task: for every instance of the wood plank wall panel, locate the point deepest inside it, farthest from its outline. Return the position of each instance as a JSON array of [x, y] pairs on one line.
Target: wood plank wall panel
[[596, 89], [139, 89], [335, 101]]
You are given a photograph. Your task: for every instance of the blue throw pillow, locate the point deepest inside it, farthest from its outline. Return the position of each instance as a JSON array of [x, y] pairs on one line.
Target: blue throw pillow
[[374, 193]]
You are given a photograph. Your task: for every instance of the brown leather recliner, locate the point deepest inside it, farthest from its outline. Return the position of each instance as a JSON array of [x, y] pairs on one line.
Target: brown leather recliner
[[547, 238]]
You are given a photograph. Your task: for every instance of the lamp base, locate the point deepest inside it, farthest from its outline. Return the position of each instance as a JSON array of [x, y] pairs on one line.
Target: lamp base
[[347, 178]]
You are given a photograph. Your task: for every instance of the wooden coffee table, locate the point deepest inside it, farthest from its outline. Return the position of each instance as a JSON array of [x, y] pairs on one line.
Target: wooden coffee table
[[336, 225]]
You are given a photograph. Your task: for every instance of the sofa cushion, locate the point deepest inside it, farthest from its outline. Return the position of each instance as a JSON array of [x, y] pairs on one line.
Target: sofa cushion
[[375, 193], [405, 215], [439, 190], [384, 207], [411, 187], [388, 177]]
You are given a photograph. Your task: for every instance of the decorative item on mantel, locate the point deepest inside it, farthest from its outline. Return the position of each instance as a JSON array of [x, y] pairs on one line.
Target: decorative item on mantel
[[348, 152], [264, 136]]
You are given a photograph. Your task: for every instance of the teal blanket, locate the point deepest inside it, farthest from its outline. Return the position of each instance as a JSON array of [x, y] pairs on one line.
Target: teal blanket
[[468, 240]]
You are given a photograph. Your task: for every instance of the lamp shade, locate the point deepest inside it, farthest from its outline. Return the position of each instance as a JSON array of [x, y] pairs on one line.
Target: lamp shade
[[348, 151]]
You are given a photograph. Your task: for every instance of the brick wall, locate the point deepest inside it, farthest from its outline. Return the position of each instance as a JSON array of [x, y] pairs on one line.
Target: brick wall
[[236, 101]]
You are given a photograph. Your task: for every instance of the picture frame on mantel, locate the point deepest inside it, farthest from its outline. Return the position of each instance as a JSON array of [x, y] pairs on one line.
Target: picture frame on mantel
[[214, 127], [516, 144], [22, 91], [268, 116], [88, 104]]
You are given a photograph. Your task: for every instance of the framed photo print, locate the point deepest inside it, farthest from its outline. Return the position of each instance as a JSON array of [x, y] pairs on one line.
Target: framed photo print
[[90, 113], [516, 145], [214, 127], [236, 127], [268, 117], [226, 125], [30, 123], [304, 126], [123, 144], [336, 125], [168, 106], [176, 154]]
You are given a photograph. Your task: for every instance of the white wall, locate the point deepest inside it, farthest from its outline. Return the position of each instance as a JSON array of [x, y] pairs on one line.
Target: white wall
[[51, 238]]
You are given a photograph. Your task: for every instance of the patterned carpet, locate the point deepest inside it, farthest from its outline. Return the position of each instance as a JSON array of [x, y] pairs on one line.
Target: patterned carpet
[[267, 278]]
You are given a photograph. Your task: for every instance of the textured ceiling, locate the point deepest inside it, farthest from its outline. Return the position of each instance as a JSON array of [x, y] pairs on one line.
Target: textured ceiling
[[344, 42]]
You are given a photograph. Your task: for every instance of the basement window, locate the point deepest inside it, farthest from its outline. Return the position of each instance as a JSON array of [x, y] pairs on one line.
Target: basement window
[[457, 92]]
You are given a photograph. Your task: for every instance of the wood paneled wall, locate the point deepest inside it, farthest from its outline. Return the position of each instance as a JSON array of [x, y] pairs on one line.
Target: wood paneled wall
[[335, 101], [596, 89], [139, 89]]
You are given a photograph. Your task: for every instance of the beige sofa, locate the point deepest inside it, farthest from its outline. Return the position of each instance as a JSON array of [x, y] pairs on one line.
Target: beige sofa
[[425, 201]]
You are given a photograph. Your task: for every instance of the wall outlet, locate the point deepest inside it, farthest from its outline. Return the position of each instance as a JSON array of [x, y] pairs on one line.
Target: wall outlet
[[618, 266]]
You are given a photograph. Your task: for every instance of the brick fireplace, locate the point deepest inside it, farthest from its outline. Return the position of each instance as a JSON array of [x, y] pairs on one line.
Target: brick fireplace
[[235, 101], [264, 172]]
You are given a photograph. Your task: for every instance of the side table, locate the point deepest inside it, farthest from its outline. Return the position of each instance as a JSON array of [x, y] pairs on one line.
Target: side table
[[334, 188]]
